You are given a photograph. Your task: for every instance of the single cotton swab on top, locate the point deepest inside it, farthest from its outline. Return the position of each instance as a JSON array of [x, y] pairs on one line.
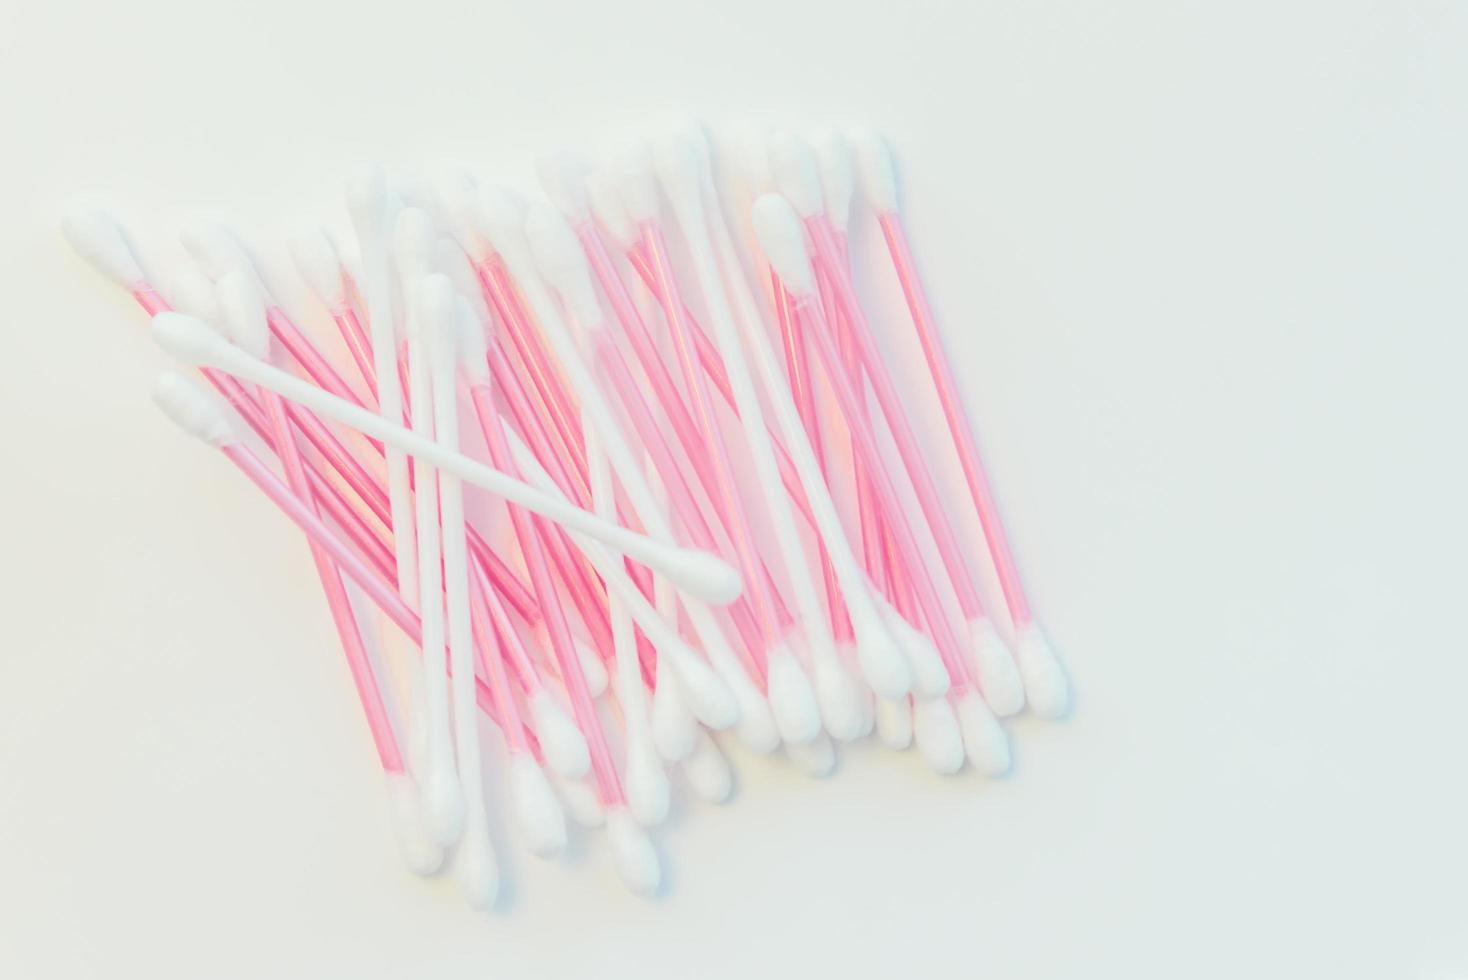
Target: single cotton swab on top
[[1044, 679], [693, 571]]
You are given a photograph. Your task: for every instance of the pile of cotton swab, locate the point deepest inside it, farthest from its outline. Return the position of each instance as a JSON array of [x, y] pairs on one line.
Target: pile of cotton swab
[[657, 364]]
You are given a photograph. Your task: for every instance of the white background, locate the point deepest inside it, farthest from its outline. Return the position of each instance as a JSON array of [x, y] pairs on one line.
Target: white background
[[1202, 268]]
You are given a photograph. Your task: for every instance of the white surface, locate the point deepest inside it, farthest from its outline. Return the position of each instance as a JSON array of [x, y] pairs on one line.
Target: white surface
[[1202, 267]]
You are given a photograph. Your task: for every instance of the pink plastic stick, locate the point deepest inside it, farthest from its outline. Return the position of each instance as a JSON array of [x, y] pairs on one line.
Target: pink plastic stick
[[309, 357], [798, 369], [964, 443], [562, 646], [828, 257], [864, 437], [355, 337], [368, 692]]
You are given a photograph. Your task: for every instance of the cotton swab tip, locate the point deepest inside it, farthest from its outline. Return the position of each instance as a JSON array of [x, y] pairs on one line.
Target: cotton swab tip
[[593, 671], [499, 215], [792, 699], [881, 660], [632, 852], [649, 794], [674, 729], [939, 738], [708, 771], [875, 172], [633, 165], [367, 199], [215, 248], [471, 345], [561, 262], [751, 147], [189, 339], [476, 869], [678, 165], [780, 236], [538, 814], [579, 799], [413, 243], [1044, 677], [443, 801], [561, 741], [929, 677], [838, 174], [816, 758], [796, 173], [318, 264], [984, 740], [999, 678], [706, 695], [192, 292], [242, 312], [421, 853], [702, 575], [562, 177], [196, 411], [97, 237], [894, 723], [840, 697], [756, 729]]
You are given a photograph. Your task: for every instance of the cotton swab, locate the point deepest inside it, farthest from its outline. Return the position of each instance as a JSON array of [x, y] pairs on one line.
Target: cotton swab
[[882, 663], [798, 177], [436, 316], [693, 571], [317, 262], [1044, 678], [781, 239], [557, 254]]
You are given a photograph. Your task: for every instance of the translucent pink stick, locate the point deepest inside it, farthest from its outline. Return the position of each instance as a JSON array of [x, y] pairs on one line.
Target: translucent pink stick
[[797, 367], [354, 336], [308, 356], [368, 692], [964, 443], [809, 311], [828, 257], [562, 646], [665, 390]]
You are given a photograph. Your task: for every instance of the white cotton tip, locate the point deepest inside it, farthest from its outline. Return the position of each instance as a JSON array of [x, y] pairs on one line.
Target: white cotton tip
[[841, 698], [435, 313], [940, 740], [192, 292], [367, 200], [471, 345], [611, 213], [707, 696], [782, 240], [649, 794], [632, 851], [538, 814], [876, 174], [456, 203], [444, 806], [197, 411], [421, 853], [929, 677], [563, 179], [702, 574], [348, 249], [999, 676], [1045, 680], [708, 771], [984, 739], [476, 868], [215, 248], [593, 671], [796, 175], [97, 237], [558, 256], [837, 166], [674, 729], [450, 258], [579, 798], [815, 758], [318, 264], [792, 698], [637, 184], [561, 741], [751, 145], [894, 722], [242, 312], [882, 663], [413, 244], [679, 170], [191, 340], [756, 729], [499, 216]]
